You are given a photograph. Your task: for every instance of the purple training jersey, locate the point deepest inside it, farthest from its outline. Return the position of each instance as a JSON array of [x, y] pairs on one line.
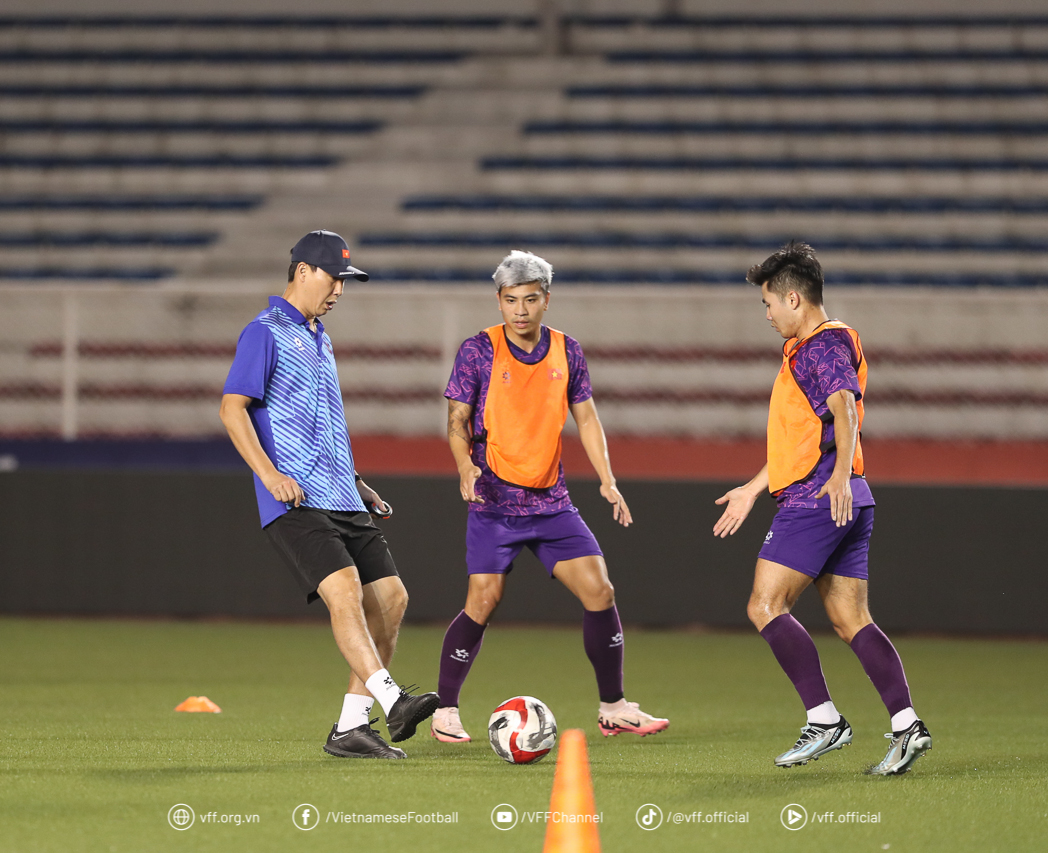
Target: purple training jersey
[[469, 384], [827, 363]]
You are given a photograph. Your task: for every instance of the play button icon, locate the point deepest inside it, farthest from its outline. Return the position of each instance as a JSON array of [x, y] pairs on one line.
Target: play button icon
[[793, 816]]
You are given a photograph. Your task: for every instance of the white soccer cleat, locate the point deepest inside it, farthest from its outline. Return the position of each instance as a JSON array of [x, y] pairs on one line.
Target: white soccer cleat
[[907, 746], [447, 727], [815, 741], [629, 718]]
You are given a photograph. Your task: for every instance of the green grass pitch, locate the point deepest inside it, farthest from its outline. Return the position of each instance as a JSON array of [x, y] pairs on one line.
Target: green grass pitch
[[93, 756]]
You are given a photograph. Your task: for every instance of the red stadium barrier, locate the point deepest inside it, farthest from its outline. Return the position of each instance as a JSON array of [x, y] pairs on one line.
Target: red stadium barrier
[[1003, 463], [667, 355], [145, 350], [649, 396]]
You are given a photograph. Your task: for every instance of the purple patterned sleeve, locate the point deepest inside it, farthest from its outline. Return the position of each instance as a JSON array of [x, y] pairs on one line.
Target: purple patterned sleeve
[[579, 388], [825, 366], [465, 381]]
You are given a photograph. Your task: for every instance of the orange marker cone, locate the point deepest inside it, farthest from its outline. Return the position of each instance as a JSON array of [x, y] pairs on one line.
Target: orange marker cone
[[572, 823], [199, 704]]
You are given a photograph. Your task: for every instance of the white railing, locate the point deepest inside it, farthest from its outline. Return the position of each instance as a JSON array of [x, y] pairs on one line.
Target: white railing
[[90, 361]]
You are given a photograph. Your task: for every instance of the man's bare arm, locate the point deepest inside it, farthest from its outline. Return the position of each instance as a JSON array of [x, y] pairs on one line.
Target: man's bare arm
[[595, 443], [242, 432], [739, 502], [846, 435], [460, 439]]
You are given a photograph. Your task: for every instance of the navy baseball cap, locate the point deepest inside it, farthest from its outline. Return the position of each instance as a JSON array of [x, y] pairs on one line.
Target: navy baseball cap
[[327, 250]]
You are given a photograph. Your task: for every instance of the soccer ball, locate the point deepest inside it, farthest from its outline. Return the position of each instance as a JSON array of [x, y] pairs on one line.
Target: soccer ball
[[522, 730]]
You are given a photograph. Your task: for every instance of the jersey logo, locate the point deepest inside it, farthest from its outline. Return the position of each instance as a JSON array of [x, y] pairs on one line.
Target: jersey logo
[[555, 374], [505, 377]]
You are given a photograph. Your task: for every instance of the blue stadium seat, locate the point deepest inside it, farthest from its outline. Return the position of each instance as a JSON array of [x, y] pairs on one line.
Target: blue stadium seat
[[182, 90], [87, 239], [822, 90], [165, 161], [279, 22], [85, 274], [185, 56], [255, 126], [824, 57], [564, 275], [640, 240], [713, 204], [112, 203], [878, 164], [805, 128]]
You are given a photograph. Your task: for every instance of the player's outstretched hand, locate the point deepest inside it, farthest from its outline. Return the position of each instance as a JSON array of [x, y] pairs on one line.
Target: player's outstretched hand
[[621, 512], [285, 489], [840, 492], [371, 500], [739, 503], [468, 476]]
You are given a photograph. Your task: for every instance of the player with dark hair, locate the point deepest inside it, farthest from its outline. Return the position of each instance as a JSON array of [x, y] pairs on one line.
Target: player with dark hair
[[508, 399], [821, 532], [282, 407]]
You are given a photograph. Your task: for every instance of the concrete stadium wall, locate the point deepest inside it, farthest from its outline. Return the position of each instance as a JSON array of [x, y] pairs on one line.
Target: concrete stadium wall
[[188, 545], [438, 318], [515, 7]]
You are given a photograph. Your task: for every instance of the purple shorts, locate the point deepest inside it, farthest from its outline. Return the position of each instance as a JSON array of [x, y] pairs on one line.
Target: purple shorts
[[808, 541], [494, 541]]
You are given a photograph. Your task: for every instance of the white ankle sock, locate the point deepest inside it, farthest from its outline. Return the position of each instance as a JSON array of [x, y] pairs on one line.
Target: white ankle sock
[[355, 711], [903, 720], [382, 686], [824, 715]]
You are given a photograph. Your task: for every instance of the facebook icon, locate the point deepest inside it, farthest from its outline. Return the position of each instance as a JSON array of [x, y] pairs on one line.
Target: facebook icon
[[305, 816]]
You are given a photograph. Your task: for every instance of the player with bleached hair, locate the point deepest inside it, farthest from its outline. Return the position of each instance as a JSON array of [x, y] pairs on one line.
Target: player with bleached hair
[[509, 395], [821, 533]]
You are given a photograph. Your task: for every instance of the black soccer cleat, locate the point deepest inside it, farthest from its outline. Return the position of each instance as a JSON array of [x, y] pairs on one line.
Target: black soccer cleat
[[361, 742], [408, 711]]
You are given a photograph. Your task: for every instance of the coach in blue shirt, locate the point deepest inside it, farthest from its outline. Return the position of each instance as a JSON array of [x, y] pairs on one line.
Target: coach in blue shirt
[[282, 407]]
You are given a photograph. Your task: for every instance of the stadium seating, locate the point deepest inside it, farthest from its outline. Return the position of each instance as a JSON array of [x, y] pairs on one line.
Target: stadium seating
[[186, 155], [730, 127]]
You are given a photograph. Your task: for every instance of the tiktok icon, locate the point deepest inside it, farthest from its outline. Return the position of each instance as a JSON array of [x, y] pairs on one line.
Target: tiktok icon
[[649, 816]]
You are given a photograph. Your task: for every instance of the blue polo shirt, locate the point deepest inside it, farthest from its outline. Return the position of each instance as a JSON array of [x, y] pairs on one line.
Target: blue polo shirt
[[289, 372]]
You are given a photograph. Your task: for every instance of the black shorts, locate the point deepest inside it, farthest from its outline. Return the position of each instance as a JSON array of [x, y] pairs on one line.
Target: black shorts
[[315, 543]]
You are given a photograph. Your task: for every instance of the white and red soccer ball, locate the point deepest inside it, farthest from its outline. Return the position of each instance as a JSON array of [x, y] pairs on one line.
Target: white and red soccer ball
[[522, 730]]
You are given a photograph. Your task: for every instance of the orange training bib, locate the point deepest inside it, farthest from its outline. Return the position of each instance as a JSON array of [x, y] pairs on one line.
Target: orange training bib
[[794, 430], [525, 412]]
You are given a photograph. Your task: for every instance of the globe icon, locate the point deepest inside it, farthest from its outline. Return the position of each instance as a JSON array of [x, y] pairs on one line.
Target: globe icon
[[180, 816]]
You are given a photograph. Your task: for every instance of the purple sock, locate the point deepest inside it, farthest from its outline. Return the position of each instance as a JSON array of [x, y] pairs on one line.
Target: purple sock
[[462, 642], [602, 639], [795, 651], [884, 667]]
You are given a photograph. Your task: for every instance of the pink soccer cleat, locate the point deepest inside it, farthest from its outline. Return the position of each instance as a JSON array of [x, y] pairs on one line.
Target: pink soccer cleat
[[623, 717], [447, 727]]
